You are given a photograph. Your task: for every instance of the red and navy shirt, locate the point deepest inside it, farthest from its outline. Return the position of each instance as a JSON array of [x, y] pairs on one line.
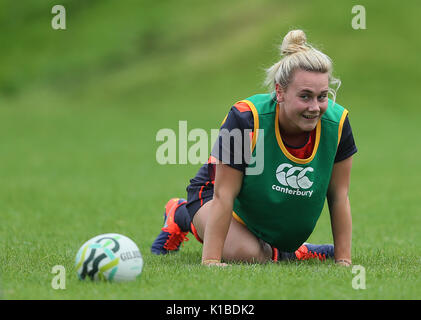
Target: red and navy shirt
[[241, 117]]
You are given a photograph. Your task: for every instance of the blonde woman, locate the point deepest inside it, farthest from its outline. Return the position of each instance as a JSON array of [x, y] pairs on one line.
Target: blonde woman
[[308, 147]]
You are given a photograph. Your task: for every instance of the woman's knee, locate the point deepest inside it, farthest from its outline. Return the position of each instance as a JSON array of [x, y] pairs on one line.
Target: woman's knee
[[201, 217], [242, 245]]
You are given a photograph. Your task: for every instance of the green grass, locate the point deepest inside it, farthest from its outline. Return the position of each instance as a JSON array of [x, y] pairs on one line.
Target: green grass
[[80, 109]]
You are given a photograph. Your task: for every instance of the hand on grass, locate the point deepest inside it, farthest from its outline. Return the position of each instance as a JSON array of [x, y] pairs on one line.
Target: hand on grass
[[214, 262], [343, 262]]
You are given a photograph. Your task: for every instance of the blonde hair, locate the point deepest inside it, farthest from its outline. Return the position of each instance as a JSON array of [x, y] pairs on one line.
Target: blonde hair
[[296, 54]]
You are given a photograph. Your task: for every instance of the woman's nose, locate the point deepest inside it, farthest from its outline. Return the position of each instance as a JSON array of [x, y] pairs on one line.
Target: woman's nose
[[314, 106]]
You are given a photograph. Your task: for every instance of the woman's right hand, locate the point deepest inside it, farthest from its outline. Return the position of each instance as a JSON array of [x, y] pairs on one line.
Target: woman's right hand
[[214, 262]]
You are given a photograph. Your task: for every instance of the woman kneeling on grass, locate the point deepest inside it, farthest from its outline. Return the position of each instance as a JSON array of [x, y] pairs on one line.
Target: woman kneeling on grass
[[308, 145]]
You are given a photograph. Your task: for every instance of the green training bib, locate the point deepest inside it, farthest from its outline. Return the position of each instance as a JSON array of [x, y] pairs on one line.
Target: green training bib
[[282, 204]]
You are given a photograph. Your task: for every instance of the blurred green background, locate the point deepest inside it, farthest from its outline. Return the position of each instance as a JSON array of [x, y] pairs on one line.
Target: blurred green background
[[80, 109]]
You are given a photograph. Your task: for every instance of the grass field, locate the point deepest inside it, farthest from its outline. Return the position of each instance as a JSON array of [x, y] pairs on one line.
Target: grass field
[[79, 113]]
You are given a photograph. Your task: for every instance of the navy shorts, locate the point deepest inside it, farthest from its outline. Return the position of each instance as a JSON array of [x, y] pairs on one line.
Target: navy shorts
[[197, 196]]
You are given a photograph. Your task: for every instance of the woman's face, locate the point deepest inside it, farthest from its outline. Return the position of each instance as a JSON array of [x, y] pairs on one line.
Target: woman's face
[[304, 102]]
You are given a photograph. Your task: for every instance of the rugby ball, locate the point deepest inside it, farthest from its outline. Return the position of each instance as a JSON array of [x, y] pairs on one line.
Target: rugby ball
[[109, 257]]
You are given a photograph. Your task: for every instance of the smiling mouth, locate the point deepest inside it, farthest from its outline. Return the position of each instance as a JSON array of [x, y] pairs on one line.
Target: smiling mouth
[[310, 117]]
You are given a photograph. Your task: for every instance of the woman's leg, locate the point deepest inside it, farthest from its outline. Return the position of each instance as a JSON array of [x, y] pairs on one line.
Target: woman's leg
[[240, 244]]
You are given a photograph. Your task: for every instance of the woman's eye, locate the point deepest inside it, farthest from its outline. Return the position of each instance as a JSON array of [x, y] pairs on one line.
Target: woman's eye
[[304, 96], [322, 97]]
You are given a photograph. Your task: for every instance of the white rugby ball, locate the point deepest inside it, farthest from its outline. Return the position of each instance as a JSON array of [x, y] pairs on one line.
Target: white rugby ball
[[110, 257]]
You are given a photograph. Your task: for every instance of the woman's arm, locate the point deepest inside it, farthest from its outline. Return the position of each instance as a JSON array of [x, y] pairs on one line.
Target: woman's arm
[[228, 183], [340, 210]]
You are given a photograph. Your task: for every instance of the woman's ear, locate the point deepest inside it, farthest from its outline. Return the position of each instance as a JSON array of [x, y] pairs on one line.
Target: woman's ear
[[279, 93]]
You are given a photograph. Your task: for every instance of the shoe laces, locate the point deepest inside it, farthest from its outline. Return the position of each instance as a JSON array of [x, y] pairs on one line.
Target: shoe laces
[[175, 238], [304, 254]]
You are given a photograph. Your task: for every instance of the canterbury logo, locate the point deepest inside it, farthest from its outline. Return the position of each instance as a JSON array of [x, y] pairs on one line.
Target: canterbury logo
[[294, 177]]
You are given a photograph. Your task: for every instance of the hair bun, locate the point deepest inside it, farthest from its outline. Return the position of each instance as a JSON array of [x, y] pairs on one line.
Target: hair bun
[[293, 42]]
